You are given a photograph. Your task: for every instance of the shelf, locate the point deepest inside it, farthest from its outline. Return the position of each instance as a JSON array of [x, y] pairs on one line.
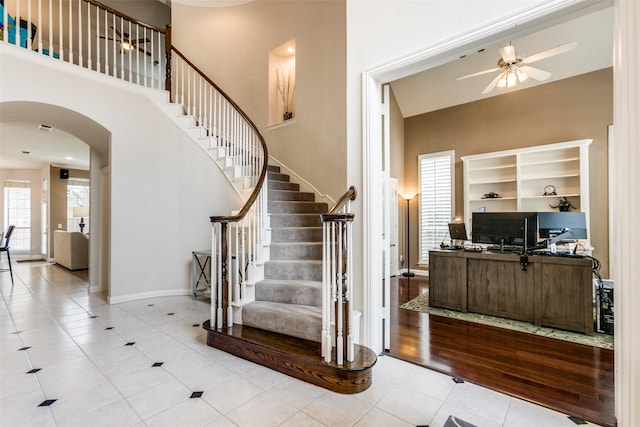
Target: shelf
[[567, 160], [520, 176], [550, 197], [548, 177], [489, 168], [493, 181], [492, 199]]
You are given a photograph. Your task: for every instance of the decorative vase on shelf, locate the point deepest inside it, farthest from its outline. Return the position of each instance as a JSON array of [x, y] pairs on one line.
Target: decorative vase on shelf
[[287, 115]]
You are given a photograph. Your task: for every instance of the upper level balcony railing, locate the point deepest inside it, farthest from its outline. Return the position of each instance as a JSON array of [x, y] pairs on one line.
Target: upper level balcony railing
[[91, 35]]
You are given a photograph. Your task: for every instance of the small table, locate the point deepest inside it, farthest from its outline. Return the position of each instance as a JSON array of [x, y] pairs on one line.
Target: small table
[[201, 273]]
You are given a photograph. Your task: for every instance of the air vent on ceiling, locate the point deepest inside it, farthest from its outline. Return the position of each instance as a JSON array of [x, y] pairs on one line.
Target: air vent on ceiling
[[45, 128], [25, 152]]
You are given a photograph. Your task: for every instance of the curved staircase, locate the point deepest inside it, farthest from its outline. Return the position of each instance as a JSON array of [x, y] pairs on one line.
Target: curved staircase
[[281, 328]]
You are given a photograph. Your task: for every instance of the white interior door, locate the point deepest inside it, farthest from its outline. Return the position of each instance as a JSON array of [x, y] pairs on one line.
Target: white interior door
[[386, 218], [393, 226]]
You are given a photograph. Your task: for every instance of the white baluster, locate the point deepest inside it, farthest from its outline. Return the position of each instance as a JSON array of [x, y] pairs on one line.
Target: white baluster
[[18, 35], [229, 286], [89, 39], [50, 28], [219, 285], [70, 42], [214, 276], [98, 63], [28, 26]]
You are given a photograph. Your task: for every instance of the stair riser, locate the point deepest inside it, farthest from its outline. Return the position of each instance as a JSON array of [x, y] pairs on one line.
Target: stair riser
[[293, 271], [289, 220], [301, 251], [285, 292], [297, 234], [282, 185], [297, 207], [275, 176], [300, 322], [287, 196]]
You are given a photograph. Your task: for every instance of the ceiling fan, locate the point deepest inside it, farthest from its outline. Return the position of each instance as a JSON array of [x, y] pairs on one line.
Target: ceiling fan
[[126, 43], [515, 69]]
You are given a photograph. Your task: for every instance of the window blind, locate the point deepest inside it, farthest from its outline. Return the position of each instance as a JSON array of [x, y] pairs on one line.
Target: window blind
[[17, 205], [436, 182]]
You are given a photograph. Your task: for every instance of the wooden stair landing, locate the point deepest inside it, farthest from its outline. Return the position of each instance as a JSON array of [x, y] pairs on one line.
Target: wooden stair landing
[[295, 357]]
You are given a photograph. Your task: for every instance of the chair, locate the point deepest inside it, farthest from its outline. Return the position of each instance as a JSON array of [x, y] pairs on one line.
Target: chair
[[5, 248]]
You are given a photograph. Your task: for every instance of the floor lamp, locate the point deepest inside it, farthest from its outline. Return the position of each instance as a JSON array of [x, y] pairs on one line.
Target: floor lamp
[[408, 273]]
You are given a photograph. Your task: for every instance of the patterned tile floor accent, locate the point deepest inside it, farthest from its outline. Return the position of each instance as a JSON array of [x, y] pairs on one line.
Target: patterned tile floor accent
[[421, 304]]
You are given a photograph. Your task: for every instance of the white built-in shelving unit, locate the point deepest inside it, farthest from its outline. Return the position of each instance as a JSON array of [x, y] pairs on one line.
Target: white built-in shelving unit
[[520, 177]]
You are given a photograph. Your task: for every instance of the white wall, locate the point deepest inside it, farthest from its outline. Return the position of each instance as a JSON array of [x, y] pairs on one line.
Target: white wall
[[163, 188]]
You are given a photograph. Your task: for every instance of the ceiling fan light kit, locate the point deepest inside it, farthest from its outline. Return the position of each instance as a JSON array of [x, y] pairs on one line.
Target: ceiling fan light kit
[[514, 69]]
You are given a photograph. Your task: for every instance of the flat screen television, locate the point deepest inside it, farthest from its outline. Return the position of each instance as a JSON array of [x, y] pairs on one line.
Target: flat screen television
[[457, 231], [552, 224], [504, 227]]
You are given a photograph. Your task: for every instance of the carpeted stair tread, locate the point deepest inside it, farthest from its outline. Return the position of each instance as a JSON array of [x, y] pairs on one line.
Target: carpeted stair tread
[[301, 321], [296, 234], [288, 195], [296, 251], [295, 220], [297, 207], [277, 176], [283, 185], [293, 269], [304, 292]]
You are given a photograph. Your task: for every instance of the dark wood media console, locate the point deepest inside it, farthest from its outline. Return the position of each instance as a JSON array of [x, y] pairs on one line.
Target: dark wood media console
[[553, 291]]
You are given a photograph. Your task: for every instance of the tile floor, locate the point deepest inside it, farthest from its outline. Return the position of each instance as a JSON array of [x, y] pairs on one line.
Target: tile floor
[[69, 359]]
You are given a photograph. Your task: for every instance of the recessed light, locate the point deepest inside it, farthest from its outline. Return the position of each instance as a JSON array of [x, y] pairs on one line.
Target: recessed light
[[68, 158], [290, 49], [45, 128]]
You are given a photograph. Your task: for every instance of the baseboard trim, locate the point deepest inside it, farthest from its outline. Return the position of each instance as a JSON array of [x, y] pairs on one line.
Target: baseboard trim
[[151, 294]]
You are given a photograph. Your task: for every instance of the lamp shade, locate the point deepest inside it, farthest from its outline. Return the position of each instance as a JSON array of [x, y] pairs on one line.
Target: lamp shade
[[80, 211]]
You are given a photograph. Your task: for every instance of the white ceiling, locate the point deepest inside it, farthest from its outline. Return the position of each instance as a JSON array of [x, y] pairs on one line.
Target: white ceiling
[[24, 146], [438, 88], [430, 90]]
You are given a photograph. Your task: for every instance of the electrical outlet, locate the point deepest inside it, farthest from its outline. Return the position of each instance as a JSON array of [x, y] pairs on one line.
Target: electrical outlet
[[59, 226]]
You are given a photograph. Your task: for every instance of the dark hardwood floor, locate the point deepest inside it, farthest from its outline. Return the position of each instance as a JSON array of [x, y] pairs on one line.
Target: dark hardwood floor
[[571, 378]]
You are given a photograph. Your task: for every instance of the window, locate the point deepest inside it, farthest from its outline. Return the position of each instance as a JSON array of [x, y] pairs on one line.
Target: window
[[17, 204], [77, 195], [436, 199]]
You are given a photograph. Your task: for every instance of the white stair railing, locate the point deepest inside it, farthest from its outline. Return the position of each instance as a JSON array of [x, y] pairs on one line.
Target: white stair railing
[[219, 119], [91, 35], [96, 37], [337, 280], [236, 244]]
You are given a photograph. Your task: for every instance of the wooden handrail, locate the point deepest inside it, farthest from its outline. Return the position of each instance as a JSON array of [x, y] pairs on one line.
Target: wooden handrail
[[263, 174], [350, 195], [122, 15]]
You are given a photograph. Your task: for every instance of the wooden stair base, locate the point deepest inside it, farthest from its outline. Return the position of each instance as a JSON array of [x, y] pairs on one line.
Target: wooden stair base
[[295, 357]]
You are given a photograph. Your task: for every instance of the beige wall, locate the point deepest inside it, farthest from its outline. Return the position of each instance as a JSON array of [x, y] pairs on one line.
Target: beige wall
[[576, 108], [58, 201], [231, 45]]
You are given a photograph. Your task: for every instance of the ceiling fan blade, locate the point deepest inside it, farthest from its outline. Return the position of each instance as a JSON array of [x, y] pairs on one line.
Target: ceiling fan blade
[[144, 51], [142, 40], [535, 73], [551, 52], [479, 73], [491, 85], [508, 53]]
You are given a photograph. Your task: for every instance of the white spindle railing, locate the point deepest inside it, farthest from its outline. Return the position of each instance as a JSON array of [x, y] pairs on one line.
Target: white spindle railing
[[337, 280], [90, 35], [235, 249]]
